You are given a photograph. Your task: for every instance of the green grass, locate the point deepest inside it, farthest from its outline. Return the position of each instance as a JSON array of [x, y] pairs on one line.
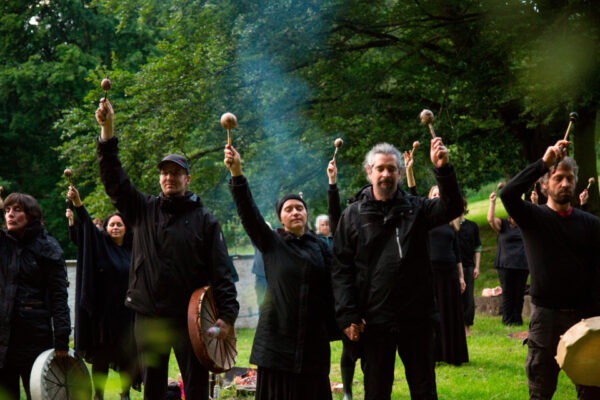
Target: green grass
[[495, 370]]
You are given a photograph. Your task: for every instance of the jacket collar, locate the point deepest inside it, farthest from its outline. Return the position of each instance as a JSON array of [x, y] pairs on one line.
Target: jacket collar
[[179, 204], [366, 194]]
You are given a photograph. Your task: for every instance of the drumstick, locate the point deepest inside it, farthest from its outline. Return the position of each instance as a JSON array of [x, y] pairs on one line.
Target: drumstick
[[427, 119], [590, 182], [415, 146], [572, 118], [228, 121], [337, 143]]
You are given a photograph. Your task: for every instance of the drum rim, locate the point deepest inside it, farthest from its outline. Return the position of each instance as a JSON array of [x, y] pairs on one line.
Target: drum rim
[[200, 296], [41, 366]]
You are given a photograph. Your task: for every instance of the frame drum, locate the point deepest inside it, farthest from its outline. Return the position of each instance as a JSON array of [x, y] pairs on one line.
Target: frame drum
[[578, 352], [217, 355], [60, 378]]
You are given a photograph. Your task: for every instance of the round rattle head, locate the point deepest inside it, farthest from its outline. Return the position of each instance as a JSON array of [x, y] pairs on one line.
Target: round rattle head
[[106, 84], [426, 117], [228, 120]]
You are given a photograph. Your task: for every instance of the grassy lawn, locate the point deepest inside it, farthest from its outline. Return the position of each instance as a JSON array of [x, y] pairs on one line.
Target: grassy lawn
[[495, 371]]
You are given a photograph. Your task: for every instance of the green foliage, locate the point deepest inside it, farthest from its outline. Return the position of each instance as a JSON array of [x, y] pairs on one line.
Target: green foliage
[[500, 77]]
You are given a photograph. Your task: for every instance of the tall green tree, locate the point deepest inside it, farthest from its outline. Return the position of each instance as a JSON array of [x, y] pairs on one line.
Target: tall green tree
[[49, 50], [300, 74]]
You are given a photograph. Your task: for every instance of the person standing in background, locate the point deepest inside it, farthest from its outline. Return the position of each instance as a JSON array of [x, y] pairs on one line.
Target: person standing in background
[[511, 264], [103, 325], [449, 284], [469, 244]]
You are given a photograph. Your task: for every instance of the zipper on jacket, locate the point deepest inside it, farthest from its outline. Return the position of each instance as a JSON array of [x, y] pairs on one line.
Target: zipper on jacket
[[398, 243]]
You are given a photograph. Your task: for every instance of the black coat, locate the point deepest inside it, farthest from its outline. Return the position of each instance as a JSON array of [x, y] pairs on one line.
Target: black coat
[[178, 246], [381, 268], [297, 318], [101, 319], [34, 312]]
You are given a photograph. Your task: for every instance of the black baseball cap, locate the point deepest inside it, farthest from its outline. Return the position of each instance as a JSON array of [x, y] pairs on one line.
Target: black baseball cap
[[177, 159]]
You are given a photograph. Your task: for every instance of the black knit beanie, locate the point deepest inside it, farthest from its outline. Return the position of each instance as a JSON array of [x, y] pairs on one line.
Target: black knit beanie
[[281, 202]]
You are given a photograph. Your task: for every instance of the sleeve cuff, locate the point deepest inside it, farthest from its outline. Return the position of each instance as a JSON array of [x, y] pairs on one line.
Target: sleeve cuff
[[238, 180]]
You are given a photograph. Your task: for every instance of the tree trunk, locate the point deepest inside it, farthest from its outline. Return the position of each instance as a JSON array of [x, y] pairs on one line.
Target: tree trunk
[[584, 138]]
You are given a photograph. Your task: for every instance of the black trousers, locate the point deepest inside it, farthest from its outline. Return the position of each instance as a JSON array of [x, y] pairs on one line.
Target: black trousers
[[10, 381], [513, 282], [468, 296], [545, 328], [155, 338], [415, 346]]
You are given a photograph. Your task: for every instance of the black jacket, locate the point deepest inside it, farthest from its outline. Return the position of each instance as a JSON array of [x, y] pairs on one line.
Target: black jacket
[[381, 269], [34, 312], [178, 246], [297, 317]]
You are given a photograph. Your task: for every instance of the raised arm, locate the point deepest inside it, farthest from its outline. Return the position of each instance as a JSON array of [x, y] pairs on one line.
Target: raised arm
[[512, 193], [254, 224], [123, 194], [105, 117], [334, 208], [494, 222], [450, 204], [410, 175]]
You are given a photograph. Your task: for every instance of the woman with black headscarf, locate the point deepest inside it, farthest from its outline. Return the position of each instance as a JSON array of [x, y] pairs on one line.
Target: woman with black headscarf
[[291, 345]]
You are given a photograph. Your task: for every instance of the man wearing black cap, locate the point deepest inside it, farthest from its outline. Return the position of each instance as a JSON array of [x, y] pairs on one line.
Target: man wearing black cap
[[178, 247]]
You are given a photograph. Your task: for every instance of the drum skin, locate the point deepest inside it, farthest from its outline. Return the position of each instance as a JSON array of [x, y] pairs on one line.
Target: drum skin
[[216, 355], [60, 378], [578, 352]]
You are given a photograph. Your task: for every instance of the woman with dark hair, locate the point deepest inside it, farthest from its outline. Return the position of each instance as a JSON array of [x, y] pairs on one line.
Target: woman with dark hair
[[34, 313], [296, 322], [103, 325]]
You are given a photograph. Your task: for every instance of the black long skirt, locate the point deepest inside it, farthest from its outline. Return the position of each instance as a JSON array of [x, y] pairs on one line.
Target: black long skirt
[[273, 384], [451, 341]]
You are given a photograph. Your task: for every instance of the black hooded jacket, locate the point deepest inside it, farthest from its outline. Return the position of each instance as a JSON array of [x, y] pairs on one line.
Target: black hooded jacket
[[33, 294], [297, 317], [178, 246]]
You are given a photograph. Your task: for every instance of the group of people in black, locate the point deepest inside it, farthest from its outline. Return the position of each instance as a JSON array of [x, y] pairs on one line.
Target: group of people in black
[[370, 284]]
